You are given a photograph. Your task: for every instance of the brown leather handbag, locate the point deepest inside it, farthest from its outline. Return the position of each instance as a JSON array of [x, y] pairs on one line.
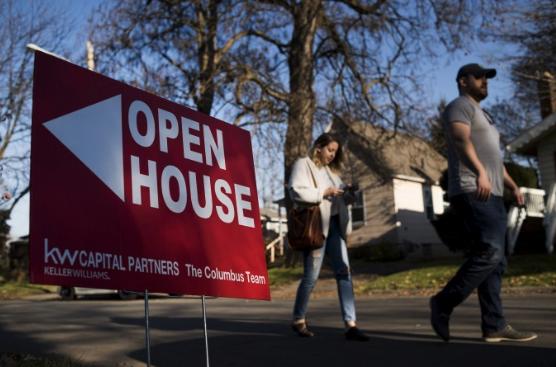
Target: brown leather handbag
[[305, 227]]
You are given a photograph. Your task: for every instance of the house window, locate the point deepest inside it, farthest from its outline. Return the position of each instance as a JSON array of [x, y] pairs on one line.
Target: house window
[[358, 210], [428, 203]]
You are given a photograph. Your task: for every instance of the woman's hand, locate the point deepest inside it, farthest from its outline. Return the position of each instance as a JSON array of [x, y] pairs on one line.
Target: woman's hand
[[333, 191], [353, 186]]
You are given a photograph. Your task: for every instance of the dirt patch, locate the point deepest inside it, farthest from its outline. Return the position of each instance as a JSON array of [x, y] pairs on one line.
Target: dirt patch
[[326, 285]]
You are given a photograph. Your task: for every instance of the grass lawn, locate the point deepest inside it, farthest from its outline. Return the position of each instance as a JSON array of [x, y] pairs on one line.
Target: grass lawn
[[22, 289], [522, 271]]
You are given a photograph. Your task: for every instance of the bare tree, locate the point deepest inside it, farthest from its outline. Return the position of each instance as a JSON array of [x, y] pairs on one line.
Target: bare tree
[[437, 136], [348, 59], [37, 23], [192, 52], [537, 40], [177, 49], [289, 63], [512, 120], [531, 28]]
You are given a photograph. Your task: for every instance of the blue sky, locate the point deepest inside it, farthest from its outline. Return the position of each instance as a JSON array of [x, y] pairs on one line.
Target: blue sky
[[439, 80], [443, 79], [80, 9]]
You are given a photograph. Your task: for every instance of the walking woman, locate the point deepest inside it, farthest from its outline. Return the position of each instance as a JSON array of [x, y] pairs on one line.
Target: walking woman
[[315, 181]]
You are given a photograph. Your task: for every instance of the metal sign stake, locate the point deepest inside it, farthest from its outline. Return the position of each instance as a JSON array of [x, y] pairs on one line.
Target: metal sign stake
[[147, 330], [205, 328]]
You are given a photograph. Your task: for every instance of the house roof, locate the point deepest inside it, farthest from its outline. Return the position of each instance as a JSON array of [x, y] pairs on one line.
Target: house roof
[[272, 214], [392, 154], [526, 143]]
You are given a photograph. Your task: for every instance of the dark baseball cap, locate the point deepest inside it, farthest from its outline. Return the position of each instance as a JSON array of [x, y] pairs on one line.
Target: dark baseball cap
[[476, 70]]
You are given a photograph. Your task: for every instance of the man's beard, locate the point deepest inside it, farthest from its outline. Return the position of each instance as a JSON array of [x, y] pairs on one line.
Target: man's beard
[[478, 94]]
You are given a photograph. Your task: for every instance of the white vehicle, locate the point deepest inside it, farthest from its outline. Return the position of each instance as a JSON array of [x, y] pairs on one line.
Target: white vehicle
[[71, 293]]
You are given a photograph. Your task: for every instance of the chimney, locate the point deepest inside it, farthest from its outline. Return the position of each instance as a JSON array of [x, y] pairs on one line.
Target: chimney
[[546, 85], [90, 56]]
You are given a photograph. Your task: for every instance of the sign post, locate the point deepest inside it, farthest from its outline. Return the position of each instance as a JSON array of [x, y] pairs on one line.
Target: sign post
[[131, 191]]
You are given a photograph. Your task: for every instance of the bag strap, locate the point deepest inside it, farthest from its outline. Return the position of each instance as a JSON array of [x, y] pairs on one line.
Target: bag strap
[[314, 182], [312, 175]]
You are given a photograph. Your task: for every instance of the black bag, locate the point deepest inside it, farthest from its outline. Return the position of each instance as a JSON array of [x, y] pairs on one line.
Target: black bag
[[305, 229]]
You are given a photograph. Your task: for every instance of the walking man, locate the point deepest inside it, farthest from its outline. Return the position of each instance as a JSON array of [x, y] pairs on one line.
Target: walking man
[[477, 178]]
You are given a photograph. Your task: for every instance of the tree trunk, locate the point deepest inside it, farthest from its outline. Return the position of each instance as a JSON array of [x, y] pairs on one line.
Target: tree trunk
[[206, 53], [301, 105]]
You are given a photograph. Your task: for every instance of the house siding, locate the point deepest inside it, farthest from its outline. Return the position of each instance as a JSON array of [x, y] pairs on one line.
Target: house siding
[[414, 227], [546, 151], [380, 212], [380, 224]]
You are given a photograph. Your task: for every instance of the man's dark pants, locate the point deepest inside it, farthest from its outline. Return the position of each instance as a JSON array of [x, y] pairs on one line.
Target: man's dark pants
[[486, 223]]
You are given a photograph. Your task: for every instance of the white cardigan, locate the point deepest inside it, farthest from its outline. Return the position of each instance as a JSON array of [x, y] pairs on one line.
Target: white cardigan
[[304, 193]]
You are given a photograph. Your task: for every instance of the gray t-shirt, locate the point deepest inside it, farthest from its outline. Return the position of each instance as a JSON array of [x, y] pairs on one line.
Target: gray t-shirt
[[485, 139]]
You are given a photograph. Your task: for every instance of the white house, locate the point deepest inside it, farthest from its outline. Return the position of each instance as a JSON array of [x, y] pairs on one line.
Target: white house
[[540, 142], [400, 192]]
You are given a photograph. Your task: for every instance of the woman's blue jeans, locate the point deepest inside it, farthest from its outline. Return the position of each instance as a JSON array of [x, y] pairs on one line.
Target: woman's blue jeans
[[486, 222], [336, 250]]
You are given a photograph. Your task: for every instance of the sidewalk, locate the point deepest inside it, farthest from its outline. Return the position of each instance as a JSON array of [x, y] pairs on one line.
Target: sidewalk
[[252, 333], [247, 333]]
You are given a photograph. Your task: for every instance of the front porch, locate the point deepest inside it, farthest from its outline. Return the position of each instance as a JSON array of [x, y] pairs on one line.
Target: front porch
[[533, 227]]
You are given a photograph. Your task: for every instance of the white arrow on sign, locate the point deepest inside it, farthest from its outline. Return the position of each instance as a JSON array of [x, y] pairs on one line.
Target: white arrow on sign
[[94, 135]]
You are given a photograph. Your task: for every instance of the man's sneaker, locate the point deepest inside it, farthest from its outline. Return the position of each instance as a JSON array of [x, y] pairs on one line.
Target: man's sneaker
[[508, 333], [439, 320]]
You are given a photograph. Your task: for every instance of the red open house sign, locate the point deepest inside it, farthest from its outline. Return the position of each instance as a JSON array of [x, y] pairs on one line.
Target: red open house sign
[[131, 191]]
